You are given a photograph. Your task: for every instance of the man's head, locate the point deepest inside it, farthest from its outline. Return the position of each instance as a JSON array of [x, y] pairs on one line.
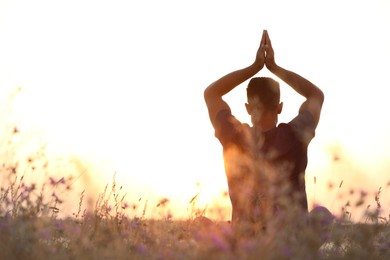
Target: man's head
[[263, 97]]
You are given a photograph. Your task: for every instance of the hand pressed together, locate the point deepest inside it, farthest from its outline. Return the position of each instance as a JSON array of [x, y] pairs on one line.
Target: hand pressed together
[[265, 53], [260, 55], [269, 53]]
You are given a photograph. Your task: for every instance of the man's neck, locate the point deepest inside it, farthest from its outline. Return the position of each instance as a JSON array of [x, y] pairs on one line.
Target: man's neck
[[267, 122]]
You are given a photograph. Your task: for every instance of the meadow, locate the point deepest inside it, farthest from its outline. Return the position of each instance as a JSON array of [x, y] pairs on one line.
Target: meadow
[[31, 228], [32, 225]]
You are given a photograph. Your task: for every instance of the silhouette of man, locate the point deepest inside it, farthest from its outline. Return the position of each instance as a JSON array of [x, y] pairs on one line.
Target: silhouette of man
[[265, 163]]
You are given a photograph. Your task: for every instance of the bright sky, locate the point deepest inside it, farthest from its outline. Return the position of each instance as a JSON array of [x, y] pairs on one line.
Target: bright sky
[[119, 84]]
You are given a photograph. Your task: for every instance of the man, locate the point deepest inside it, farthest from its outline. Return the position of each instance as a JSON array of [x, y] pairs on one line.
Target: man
[[265, 164]]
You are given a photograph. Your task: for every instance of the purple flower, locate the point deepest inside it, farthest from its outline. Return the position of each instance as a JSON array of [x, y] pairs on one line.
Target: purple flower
[[44, 234], [125, 205], [52, 181], [219, 242], [249, 246], [287, 251], [59, 225], [142, 249]]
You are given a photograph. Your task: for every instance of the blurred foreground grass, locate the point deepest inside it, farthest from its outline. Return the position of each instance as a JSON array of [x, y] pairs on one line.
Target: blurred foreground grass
[[32, 227]]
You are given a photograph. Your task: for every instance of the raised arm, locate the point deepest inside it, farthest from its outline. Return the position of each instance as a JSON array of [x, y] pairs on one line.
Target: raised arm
[[314, 96], [213, 94]]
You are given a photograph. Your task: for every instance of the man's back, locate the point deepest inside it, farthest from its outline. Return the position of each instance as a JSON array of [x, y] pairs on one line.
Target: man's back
[[265, 170]]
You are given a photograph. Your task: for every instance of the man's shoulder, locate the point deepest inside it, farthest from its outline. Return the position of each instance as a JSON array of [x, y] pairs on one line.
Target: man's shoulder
[[303, 117], [226, 126], [230, 131], [226, 118], [303, 126]]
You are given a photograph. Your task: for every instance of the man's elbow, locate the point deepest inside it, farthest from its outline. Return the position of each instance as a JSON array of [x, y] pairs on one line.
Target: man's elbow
[[207, 94], [321, 96], [318, 95]]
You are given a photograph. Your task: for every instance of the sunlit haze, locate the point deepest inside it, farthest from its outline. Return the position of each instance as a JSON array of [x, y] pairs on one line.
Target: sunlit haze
[[119, 86]]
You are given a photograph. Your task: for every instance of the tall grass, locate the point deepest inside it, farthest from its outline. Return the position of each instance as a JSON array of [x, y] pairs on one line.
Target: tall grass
[[32, 227]]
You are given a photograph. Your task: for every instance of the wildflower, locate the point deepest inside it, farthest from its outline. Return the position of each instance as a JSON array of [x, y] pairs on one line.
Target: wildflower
[[4, 225], [287, 251], [227, 231], [359, 202], [76, 229], [24, 195], [219, 242], [52, 181], [125, 233], [57, 199], [162, 202], [58, 225], [134, 224], [62, 180], [142, 249], [44, 234], [13, 169], [125, 205], [249, 246]]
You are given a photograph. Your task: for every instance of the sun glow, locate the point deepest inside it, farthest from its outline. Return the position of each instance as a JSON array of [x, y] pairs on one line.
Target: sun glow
[[120, 85]]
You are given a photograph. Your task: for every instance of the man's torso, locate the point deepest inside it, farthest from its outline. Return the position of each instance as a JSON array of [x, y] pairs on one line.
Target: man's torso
[[265, 169]]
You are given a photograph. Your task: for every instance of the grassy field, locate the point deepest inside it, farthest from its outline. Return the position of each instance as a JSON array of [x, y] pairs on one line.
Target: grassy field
[[30, 228], [37, 238]]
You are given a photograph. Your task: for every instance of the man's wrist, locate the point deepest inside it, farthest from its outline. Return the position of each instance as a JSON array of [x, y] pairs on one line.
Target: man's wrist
[[274, 68], [257, 66]]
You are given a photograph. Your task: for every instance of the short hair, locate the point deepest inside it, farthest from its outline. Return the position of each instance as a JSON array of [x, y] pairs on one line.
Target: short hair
[[264, 90]]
